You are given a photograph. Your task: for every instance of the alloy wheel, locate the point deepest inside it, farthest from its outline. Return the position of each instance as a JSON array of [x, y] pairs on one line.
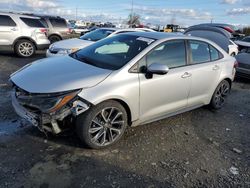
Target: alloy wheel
[[221, 93], [107, 126], [26, 49]]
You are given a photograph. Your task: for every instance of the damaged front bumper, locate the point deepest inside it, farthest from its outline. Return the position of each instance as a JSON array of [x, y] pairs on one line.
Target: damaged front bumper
[[49, 122]]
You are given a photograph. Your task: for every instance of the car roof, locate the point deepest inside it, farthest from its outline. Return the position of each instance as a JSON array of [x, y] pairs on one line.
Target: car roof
[[108, 28], [18, 15], [158, 35]]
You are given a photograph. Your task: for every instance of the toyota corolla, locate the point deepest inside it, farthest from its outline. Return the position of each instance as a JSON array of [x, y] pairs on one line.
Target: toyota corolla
[[126, 80]]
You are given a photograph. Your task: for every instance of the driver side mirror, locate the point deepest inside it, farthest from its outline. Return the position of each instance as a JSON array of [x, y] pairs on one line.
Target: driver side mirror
[[157, 68]]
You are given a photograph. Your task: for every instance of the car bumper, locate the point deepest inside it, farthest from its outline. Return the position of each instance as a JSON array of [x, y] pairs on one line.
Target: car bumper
[[242, 72], [48, 122], [42, 46], [23, 112]]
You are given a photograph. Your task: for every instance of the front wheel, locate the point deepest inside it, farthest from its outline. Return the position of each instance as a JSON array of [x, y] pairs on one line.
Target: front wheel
[[220, 94], [102, 125]]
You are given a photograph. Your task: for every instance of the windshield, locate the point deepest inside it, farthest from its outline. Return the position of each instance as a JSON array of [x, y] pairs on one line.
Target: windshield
[[97, 34], [112, 53]]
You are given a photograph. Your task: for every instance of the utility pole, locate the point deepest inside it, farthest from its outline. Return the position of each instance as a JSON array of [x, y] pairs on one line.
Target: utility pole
[[132, 7], [76, 13]]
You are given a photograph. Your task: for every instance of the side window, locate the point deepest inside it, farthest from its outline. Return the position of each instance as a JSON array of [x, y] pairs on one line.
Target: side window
[[170, 53], [32, 22], [199, 52], [215, 54], [58, 22], [6, 21]]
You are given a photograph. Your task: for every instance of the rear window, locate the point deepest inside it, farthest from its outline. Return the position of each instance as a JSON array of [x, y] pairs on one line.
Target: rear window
[[44, 22], [199, 52], [215, 54], [32, 22], [97, 34], [58, 22], [6, 21]]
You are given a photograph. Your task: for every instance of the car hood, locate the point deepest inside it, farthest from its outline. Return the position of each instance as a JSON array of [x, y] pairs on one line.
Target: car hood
[[71, 43], [58, 74], [242, 43]]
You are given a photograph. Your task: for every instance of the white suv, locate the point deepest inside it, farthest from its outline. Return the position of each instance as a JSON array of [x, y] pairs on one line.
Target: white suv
[[22, 34]]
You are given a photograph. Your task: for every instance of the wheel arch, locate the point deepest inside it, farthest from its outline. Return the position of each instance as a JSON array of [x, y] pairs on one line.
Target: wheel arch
[[24, 38], [229, 81], [55, 34], [125, 106]]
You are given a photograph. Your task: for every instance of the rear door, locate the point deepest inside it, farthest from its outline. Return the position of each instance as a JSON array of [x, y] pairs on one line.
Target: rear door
[[8, 30], [205, 67]]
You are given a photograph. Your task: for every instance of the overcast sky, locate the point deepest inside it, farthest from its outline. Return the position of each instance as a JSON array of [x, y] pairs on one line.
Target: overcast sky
[[151, 11]]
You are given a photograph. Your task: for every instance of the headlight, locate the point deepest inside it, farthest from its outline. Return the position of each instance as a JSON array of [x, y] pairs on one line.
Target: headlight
[[47, 103], [64, 51], [67, 51]]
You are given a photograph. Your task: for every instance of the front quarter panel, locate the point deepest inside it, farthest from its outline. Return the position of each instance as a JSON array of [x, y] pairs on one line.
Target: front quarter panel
[[120, 85]]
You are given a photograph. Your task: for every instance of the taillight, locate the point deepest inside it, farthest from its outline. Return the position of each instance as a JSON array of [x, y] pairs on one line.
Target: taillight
[[43, 30], [69, 30], [236, 64], [229, 29]]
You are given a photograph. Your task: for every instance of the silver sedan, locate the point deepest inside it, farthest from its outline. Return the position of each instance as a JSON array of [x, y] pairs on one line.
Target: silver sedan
[[126, 80]]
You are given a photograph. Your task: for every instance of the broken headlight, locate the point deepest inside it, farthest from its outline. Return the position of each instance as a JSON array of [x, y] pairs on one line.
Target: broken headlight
[[47, 103]]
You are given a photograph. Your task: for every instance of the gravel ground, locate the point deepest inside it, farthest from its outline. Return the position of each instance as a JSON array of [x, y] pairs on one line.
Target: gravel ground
[[200, 148]]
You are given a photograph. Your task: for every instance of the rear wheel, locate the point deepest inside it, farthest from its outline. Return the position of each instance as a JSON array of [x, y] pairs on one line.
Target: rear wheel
[[54, 38], [25, 48], [220, 95], [102, 125]]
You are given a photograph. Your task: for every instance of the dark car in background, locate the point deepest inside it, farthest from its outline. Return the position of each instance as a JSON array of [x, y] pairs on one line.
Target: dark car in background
[[243, 69], [236, 33]]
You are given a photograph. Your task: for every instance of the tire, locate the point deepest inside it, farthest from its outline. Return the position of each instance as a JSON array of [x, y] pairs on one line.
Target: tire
[[54, 38], [220, 95], [25, 48], [102, 125]]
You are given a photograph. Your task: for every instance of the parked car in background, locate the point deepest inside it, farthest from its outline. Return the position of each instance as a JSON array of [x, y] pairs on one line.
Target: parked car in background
[[126, 80], [68, 46], [80, 29], [145, 29], [235, 31], [89, 30], [58, 27], [243, 59], [244, 44], [22, 34], [215, 34], [233, 48]]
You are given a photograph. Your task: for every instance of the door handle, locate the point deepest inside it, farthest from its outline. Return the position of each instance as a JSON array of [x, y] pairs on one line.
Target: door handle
[[216, 67], [13, 29], [186, 75]]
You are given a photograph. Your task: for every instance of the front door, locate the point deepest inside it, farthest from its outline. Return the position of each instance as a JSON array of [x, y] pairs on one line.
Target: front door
[[7, 30], [164, 94]]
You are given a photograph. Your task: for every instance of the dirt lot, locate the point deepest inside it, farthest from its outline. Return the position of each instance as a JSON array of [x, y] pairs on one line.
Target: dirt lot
[[200, 148]]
